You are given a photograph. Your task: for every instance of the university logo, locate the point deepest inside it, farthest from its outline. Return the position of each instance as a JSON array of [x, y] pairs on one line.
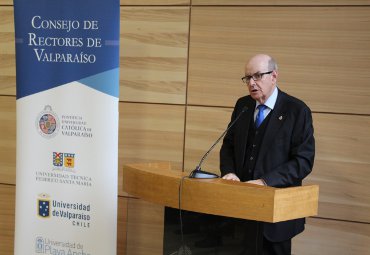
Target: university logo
[[39, 245], [47, 123], [61, 159], [43, 206]]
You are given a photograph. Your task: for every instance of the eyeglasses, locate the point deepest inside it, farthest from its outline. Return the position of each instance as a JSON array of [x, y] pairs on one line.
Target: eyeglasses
[[256, 77]]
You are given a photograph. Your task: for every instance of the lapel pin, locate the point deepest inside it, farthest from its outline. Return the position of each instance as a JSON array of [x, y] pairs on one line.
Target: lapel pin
[[281, 117]]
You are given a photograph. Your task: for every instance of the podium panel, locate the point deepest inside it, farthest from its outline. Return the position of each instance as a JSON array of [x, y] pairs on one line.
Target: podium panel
[[208, 234]]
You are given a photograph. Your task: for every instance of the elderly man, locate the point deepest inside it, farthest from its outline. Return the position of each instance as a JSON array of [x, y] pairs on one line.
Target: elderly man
[[271, 144]]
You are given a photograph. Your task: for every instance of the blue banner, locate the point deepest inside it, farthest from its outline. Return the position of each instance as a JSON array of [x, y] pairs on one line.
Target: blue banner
[[62, 41]]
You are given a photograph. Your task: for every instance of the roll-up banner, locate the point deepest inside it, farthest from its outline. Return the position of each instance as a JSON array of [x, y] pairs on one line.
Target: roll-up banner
[[67, 66]]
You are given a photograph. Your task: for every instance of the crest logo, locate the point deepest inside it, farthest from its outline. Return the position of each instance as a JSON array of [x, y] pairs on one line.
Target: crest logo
[[69, 160], [43, 206], [63, 160], [47, 123], [57, 159]]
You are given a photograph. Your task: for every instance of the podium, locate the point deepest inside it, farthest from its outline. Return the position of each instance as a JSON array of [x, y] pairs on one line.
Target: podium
[[158, 183]]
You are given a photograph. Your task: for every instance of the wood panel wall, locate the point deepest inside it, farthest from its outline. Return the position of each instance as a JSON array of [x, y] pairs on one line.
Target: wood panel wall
[[181, 63]]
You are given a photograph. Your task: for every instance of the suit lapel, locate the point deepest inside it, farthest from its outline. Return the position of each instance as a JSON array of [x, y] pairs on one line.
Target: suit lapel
[[277, 119]]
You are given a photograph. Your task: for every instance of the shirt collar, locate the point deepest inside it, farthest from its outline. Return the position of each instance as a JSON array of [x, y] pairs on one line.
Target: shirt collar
[[270, 102]]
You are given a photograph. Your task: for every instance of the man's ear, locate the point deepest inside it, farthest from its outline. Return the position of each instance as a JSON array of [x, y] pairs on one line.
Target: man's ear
[[274, 75]]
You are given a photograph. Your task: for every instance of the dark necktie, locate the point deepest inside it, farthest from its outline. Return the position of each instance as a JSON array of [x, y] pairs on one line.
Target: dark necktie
[[260, 117]]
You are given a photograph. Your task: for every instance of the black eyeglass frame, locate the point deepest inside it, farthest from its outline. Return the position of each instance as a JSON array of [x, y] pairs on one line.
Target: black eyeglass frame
[[247, 78]]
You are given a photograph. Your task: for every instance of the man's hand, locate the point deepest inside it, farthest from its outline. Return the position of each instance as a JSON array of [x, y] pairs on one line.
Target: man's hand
[[231, 176], [258, 182]]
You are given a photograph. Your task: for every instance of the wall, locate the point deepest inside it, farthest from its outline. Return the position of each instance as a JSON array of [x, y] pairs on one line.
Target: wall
[[181, 63]]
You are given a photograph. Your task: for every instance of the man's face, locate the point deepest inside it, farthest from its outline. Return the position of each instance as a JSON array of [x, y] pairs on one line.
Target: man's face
[[260, 90]]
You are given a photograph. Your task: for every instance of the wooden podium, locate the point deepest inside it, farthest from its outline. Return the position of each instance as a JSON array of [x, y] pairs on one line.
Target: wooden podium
[[159, 184]]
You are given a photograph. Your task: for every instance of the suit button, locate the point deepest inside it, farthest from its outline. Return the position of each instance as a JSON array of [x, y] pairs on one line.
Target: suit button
[[250, 170], [256, 132], [251, 158], [254, 145]]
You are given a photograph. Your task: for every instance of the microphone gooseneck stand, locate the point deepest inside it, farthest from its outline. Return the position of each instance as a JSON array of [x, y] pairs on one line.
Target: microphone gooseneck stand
[[198, 173]]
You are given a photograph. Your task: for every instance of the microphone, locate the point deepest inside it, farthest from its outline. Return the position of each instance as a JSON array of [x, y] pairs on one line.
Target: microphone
[[198, 173]]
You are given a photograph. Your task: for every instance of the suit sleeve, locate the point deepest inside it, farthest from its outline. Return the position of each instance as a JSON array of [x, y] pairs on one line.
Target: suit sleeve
[[301, 154], [227, 155]]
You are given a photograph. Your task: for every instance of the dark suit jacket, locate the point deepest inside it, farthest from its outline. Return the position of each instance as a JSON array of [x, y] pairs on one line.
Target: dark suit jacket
[[286, 154]]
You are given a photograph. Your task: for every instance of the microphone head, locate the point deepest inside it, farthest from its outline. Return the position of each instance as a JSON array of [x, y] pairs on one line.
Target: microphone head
[[197, 173]]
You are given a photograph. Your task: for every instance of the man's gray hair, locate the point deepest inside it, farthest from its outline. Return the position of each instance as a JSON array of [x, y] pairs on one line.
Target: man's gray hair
[[272, 64]]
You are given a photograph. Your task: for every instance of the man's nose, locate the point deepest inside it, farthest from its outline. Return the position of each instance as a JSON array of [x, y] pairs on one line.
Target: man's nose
[[251, 82]]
